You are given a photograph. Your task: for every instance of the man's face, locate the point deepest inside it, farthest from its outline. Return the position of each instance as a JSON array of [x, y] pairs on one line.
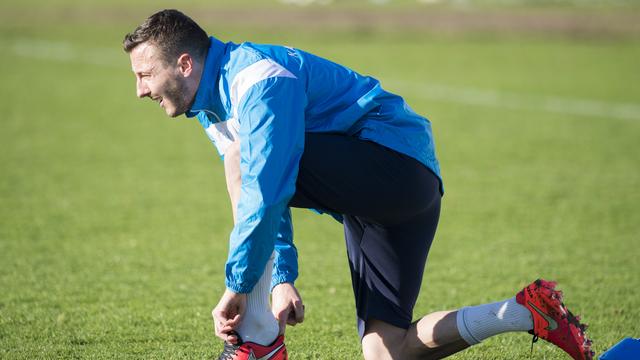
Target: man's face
[[165, 83]]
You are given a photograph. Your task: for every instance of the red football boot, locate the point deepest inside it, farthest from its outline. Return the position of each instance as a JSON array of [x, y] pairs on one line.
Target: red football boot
[[252, 351], [553, 322]]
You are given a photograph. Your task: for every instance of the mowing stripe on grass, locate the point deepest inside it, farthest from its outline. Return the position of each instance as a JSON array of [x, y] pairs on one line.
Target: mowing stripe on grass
[[501, 99], [67, 52]]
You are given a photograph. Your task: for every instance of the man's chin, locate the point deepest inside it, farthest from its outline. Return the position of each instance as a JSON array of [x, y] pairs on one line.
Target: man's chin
[[174, 108], [174, 112]]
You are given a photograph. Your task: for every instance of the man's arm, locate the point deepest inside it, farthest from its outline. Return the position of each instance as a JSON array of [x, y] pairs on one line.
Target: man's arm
[[285, 264], [271, 116], [287, 305], [232, 175]]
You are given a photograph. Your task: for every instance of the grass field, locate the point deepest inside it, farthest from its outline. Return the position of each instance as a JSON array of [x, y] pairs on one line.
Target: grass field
[[114, 219]]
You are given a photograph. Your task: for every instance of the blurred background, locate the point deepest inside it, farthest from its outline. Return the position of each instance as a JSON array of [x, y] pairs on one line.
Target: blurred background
[[114, 219]]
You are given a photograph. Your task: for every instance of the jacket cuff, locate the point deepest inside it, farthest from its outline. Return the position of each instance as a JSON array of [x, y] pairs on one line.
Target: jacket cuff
[[283, 278], [238, 288]]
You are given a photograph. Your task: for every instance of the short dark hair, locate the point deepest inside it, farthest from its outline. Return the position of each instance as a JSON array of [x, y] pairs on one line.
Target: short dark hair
[[173, 32]]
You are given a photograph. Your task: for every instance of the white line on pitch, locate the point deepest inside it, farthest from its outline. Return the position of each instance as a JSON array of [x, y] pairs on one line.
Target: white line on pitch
[[67, 52], [499, 99]]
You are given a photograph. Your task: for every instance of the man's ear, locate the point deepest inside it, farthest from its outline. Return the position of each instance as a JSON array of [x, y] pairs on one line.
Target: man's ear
[[185, 64]]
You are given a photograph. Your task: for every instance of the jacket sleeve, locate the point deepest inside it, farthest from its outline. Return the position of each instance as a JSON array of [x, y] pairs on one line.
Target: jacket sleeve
[[271, 117], [285, 263]]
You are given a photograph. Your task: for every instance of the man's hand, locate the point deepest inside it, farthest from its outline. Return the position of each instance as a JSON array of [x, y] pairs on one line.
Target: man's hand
[[286, 305], [228, 314]]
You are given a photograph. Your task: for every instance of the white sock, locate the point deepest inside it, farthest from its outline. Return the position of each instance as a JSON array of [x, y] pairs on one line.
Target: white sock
[[476, 323], [259, 325]]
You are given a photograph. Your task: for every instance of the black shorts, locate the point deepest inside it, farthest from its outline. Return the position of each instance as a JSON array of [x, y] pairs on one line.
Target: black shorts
[[390, 205]]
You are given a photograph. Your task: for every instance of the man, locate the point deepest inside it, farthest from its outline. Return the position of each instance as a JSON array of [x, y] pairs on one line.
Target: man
[[296, 130]]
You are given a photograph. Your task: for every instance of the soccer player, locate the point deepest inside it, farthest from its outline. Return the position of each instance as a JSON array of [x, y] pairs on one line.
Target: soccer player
[[296, 130]]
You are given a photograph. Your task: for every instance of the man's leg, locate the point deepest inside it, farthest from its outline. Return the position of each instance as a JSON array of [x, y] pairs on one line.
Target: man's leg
[[433, 337], [390, 209], [386, 291], [438, 334], [388, 235], [538, 308]]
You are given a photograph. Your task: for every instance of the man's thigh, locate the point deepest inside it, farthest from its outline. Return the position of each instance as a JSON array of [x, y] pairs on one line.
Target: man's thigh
[[347, 175]]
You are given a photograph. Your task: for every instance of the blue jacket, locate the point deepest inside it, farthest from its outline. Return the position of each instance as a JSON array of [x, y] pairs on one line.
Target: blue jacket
[[269, 96]]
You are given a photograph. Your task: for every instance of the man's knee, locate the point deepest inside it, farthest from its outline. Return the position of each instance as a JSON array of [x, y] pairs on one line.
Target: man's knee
[[382, 340]]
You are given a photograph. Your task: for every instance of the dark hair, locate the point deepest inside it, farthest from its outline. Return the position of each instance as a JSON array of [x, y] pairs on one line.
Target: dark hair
[[173, 32]]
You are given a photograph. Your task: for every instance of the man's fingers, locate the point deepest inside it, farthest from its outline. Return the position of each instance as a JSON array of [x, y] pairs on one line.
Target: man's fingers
[[287, 306], [227, 315], [283, 315], [225, 331], [298, 311], [228, 334], [232, 339], [218, 323], [223, 325], [296, 315], [234, 321], [291, 318]]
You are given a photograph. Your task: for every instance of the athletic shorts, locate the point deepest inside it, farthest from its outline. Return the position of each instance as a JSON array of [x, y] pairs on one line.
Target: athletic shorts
[[390, 204]]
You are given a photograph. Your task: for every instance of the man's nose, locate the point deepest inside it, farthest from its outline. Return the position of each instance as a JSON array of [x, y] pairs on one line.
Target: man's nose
[[141, 89]]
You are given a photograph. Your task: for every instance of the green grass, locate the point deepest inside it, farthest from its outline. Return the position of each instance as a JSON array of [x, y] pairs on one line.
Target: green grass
[[114, 219]]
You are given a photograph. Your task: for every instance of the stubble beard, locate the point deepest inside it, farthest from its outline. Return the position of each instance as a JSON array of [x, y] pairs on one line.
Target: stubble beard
[[177, 94]]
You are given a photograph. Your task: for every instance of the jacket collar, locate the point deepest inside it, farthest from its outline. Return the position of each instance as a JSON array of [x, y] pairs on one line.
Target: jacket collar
[[206, 95]]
